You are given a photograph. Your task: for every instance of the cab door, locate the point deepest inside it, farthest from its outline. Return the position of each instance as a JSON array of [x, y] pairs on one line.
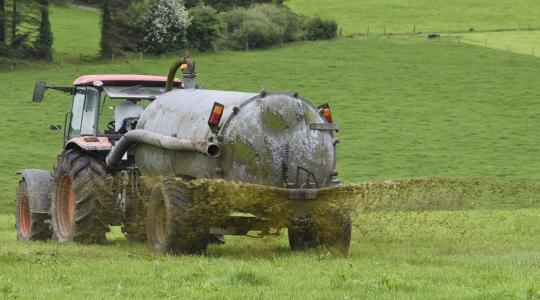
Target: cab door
[[84, 113]]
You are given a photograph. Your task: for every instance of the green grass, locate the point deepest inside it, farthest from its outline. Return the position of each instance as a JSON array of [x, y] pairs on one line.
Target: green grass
[[408, 108], [522, 42], [437, 255], [440, 15], [76, 32]]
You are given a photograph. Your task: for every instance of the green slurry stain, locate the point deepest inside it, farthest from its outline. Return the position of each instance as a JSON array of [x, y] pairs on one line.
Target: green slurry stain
[[273, 122], [256, 162]]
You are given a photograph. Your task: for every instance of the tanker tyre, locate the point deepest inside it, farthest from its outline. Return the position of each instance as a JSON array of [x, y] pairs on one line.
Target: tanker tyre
[[303, 235], [336, 236], [172, 226], [30, 226], [135, 230], [82, 203]]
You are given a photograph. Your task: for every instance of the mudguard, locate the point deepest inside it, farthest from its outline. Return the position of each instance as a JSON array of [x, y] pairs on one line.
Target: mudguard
[[90, 143], [39, 185]]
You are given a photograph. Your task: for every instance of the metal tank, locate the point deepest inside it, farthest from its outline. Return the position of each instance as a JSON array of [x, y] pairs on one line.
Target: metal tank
[[275, 139]]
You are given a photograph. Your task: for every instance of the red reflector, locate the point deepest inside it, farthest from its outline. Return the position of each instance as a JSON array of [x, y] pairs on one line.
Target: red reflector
[[325, 111], [215, 116]]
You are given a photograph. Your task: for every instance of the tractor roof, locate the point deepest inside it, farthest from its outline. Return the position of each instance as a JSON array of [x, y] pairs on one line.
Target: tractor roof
[[125, 80]]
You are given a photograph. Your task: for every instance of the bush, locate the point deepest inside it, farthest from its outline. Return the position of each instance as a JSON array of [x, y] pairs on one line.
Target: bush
[[165, 24], [260, 26], [287, 20], [321, 29], [205, 28]]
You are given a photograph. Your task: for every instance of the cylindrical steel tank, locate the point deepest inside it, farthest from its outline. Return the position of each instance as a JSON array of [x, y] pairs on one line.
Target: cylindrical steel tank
[[269, 139]]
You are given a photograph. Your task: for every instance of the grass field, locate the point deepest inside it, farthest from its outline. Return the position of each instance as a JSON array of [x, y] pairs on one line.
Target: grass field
[[522, 42], [439, 15], [408, 108], [437, 255], [76, 32]]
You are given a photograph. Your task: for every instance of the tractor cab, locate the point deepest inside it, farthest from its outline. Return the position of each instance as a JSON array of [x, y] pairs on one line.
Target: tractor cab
[[106, 105]]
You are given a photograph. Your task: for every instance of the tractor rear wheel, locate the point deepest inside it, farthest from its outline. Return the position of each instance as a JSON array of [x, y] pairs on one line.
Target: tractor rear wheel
[[82, 204], [31, 226], [172, 224]]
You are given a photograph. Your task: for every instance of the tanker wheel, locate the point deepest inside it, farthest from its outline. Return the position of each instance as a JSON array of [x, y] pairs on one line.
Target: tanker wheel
[[336, 235], [303, 235], [135, 229], [172, 225], [333, 233], [82, 204], [30, 226]]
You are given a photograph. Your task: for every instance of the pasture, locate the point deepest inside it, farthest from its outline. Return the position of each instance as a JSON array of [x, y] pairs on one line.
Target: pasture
[[408, 107], [439, 15]]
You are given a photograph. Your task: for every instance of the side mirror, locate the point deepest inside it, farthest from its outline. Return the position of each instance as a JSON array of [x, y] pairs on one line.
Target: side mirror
[[39, 91], [56, 127]]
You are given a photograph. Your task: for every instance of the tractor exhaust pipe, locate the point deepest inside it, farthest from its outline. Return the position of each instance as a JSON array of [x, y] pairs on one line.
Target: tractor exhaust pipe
[[139, 136]]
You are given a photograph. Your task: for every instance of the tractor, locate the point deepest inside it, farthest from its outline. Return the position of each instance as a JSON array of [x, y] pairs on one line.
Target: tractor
[[122, 129]]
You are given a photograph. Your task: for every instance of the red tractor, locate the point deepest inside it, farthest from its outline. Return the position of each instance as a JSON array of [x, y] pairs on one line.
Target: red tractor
[[47, 205]]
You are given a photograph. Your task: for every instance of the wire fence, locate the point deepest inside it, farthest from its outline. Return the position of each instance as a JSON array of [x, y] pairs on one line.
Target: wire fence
[[458, 34]]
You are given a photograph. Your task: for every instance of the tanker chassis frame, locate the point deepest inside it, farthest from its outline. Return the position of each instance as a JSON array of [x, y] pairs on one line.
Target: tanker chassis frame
[[96, 180]]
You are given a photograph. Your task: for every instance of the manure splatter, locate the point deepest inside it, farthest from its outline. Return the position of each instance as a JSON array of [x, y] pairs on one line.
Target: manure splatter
[[215, 200]]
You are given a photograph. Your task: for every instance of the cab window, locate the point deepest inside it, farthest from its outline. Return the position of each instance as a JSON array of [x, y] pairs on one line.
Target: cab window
[[84, 110]]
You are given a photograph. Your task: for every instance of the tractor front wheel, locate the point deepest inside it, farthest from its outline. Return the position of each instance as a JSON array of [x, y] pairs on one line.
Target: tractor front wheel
[[82, 204]]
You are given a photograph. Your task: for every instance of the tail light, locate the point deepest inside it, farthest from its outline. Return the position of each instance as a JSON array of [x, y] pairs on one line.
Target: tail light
[[215, 116], [325, 111]]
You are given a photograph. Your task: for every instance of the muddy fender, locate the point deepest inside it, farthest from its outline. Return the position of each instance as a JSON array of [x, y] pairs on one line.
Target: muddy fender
[[39, 187]]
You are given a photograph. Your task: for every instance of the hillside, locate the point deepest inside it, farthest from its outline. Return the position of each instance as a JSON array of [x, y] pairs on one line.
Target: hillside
[[408, 108], [439, 15]]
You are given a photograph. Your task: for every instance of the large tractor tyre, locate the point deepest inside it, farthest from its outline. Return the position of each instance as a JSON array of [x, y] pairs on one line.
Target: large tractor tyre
[[303, 235], [332, 233], [82, 204], [172, 224], [31, 226]]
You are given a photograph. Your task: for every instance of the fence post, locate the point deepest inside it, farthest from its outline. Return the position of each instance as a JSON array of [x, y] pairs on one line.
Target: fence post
[[367, 32], [414, 30]]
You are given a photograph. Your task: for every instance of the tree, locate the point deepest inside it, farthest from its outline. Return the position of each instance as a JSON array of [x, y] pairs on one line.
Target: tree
[[2, 23], [107, 30], [205, 28], [120, 29], [223, 5], [44, 41], [165, 24]]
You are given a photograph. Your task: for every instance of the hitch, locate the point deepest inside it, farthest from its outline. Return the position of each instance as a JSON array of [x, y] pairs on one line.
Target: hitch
[[303, 194]]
